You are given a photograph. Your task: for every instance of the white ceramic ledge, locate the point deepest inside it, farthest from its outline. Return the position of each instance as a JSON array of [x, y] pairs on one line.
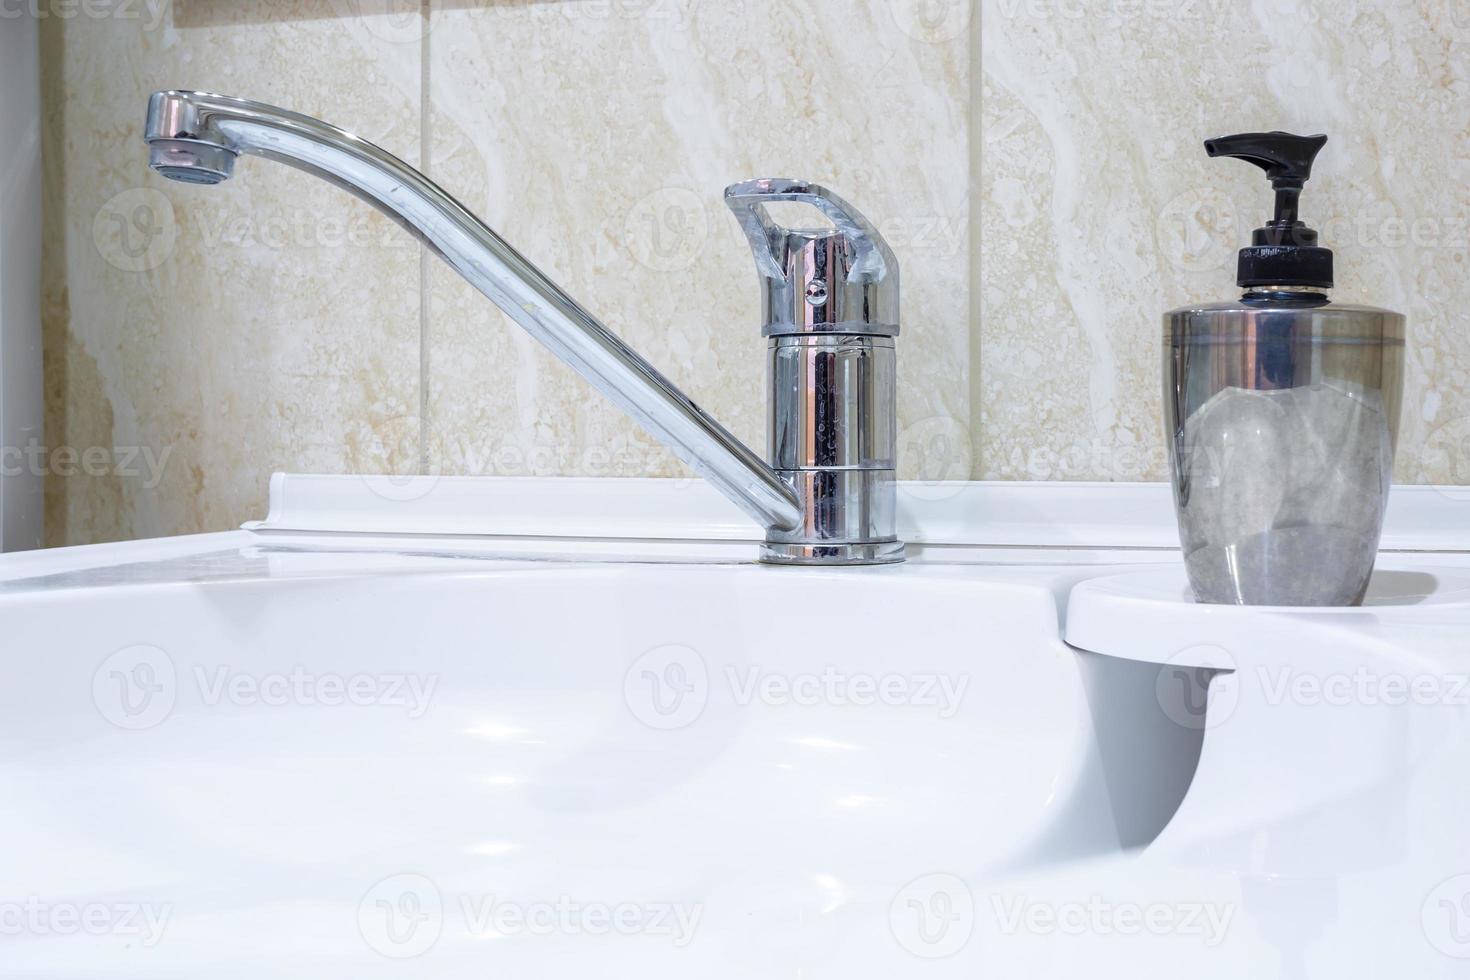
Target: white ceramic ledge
[[1151, 614], [958, 514]]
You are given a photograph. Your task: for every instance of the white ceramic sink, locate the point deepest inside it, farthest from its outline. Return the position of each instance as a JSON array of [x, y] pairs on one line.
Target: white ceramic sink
[[297, 751], [769, 750]]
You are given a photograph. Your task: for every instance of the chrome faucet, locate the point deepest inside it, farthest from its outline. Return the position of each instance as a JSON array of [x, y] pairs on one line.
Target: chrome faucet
[[829, 500]]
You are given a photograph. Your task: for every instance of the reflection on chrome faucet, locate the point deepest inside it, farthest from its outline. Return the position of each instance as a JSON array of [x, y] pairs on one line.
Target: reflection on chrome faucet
[[829, 497]]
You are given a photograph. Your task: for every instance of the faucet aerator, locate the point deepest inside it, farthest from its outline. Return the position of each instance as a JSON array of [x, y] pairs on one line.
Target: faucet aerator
[[190, 162]]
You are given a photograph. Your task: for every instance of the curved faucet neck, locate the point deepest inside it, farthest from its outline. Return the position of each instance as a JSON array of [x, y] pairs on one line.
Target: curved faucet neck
[[194, 136]]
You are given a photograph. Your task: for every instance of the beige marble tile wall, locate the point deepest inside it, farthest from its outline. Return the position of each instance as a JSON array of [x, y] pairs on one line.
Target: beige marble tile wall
[[598, 135], [198, 338], [1099, 209], [1034, 163]]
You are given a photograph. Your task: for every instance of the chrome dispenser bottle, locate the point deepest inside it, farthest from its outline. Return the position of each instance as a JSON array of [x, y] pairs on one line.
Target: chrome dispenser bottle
[[1282, 410]]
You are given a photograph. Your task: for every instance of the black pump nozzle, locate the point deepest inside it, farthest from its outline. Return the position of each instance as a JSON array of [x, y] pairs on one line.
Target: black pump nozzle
[[1285, 251]]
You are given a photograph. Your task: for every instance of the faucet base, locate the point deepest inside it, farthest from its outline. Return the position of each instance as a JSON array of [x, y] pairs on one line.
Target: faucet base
[[886, 552]]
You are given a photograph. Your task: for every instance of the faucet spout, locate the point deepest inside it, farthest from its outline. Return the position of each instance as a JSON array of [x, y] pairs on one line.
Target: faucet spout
[[196, 137]]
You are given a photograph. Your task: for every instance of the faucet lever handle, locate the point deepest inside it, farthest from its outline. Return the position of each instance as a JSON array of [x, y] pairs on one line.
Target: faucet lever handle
[[748, 200]]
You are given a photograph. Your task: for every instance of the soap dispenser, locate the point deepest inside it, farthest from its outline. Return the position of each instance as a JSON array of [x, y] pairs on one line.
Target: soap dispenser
[[1282, 411]]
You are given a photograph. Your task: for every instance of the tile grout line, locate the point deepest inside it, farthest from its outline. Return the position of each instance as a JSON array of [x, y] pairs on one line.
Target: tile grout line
[[976, 393], [424, 257]]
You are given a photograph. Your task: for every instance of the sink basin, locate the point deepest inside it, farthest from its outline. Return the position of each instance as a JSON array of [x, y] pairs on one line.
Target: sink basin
[[296, 752], [764, 749]]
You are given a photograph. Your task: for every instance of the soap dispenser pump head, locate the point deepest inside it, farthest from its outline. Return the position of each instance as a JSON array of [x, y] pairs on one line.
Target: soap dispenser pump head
[[1285, 251]]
